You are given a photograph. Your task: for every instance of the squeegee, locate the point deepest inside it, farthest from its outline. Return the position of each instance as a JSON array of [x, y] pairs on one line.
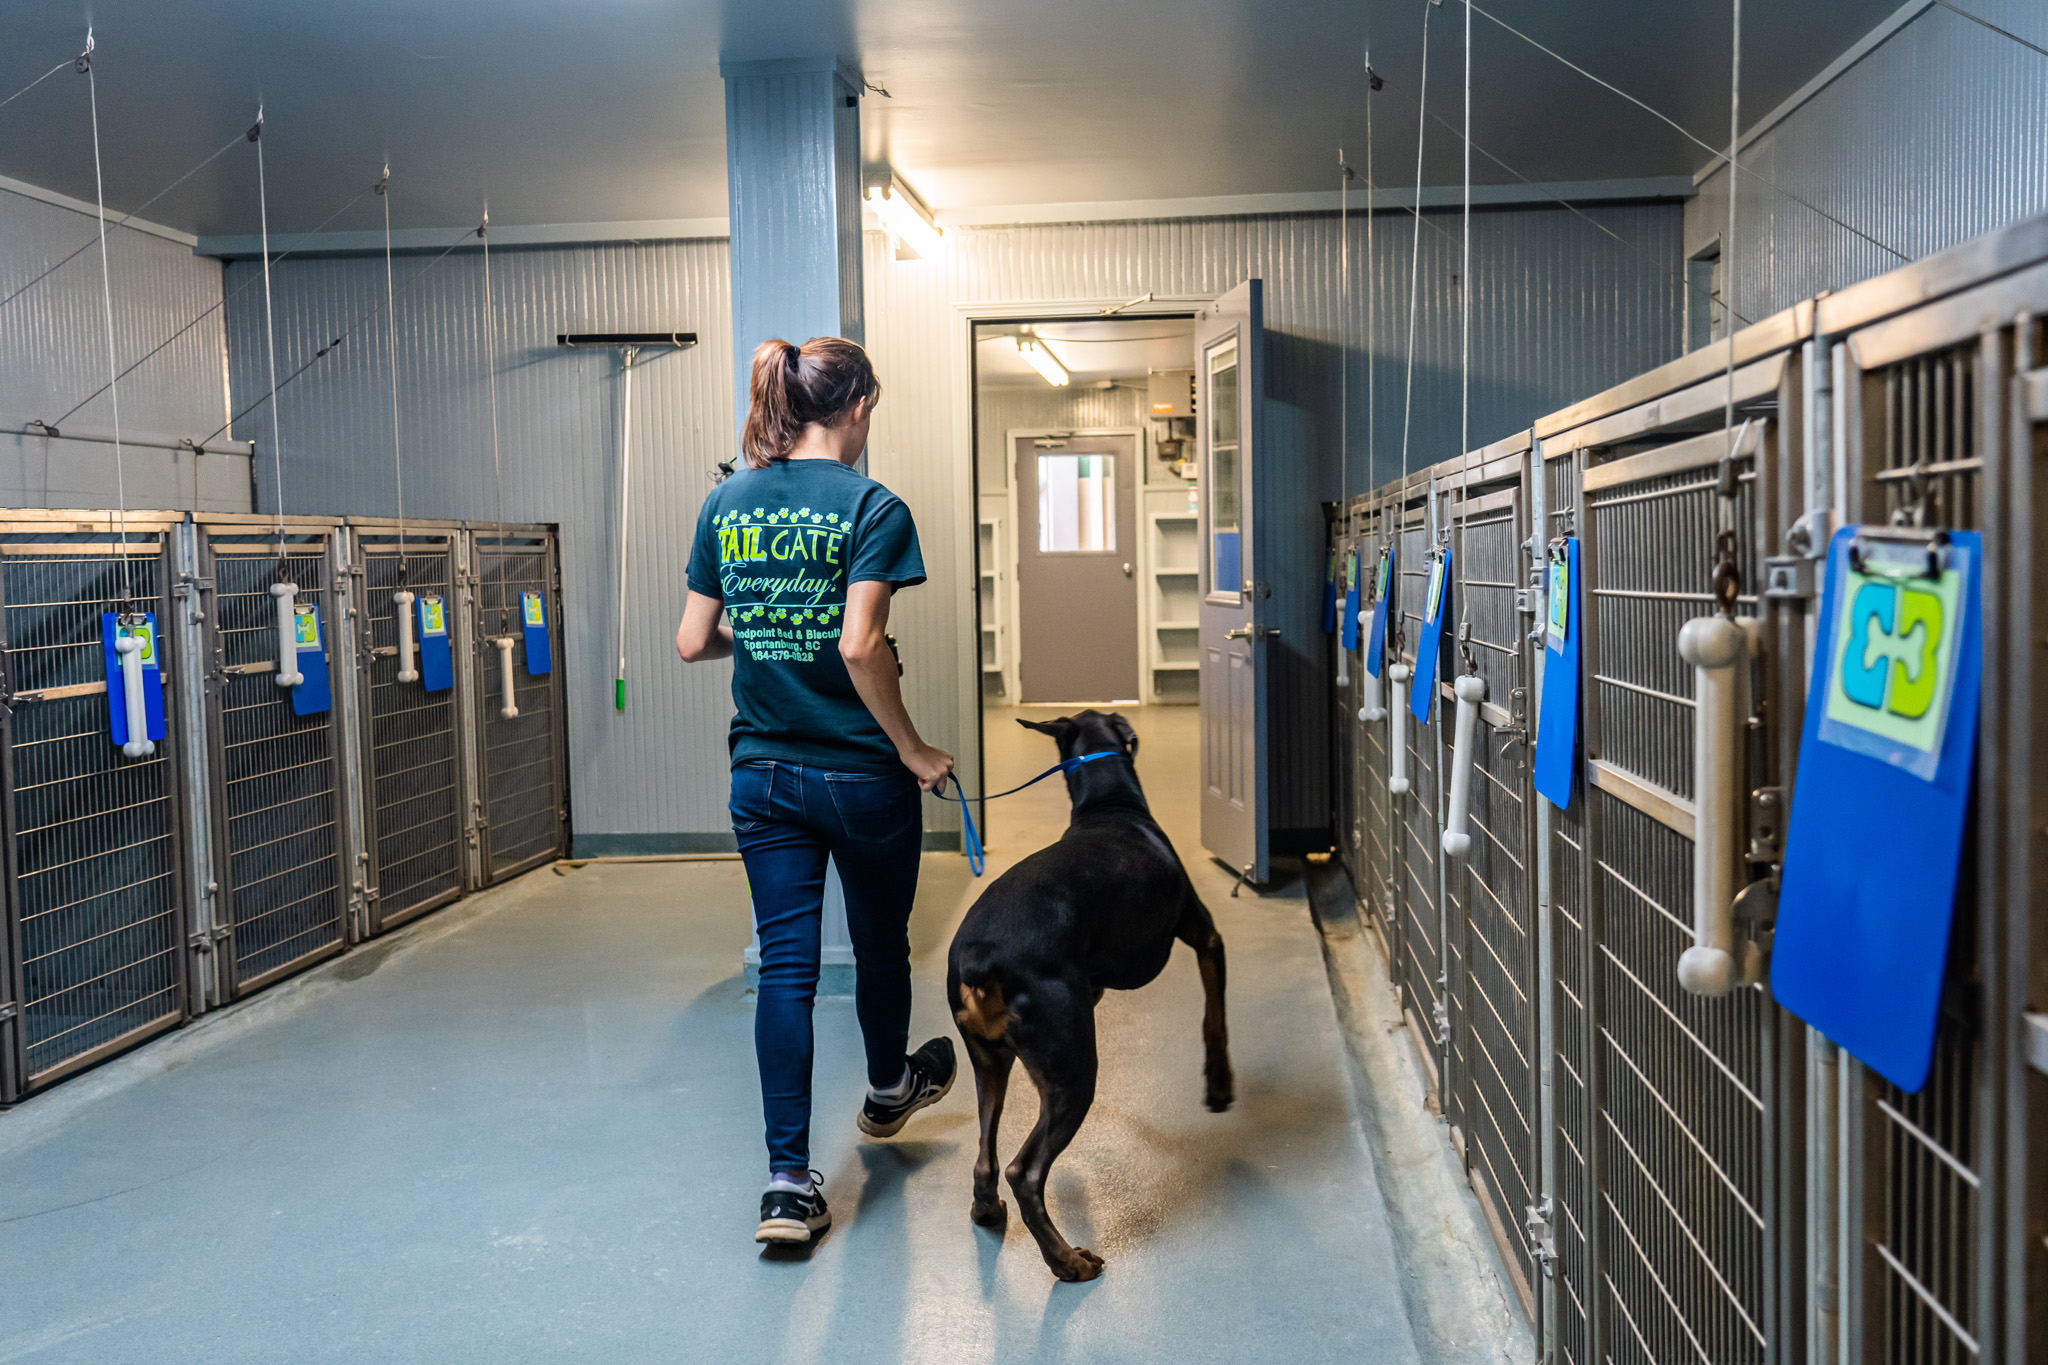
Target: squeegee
[[629, 345]]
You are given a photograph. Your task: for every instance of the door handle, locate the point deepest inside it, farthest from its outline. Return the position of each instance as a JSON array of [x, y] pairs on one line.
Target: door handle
[[1253, 633], [1127, 571]]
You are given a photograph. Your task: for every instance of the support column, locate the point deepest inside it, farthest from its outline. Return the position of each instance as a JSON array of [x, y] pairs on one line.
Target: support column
[[792, 140]]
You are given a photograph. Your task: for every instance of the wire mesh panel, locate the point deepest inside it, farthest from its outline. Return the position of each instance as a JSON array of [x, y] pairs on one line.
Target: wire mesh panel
[[1377, 845], [1345, 728], [1489, 890], [525, 799], [1923, 1167], [411, 742], [96, 920], [1680, 1089], [278, 802]]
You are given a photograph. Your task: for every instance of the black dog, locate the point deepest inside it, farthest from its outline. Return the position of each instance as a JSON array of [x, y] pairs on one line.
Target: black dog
[[1098, 910]]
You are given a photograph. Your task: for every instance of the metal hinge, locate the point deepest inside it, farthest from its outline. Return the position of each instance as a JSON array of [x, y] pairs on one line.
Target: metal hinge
[[1525, 601], [1788, 578], [8, 1011], [1767, 824], [188, 584], [1542, 1235], [1440, 1014]]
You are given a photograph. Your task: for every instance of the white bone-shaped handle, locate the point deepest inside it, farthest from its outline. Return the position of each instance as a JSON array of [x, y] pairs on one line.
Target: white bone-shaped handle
[[129, 647], [403, 601], [1470, 690], [510, 708], [1715, 647], [1373, 709], [286, 596], [1397, 733]]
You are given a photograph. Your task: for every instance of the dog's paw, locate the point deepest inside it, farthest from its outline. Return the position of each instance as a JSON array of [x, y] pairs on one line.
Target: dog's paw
[[991, 1215], [1077, 1265], [1219, 1093]]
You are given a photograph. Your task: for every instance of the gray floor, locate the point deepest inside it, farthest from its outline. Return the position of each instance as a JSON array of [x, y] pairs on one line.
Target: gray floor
[[533, 1134]]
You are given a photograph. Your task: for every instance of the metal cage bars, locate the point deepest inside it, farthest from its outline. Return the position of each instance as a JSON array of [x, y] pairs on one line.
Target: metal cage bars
[[254, 841], [1706, 1179]]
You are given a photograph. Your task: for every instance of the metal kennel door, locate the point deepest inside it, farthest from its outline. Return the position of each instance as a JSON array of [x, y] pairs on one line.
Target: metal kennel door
[[1418, 938], [524, 804], [1375, 838], [1493, 1075], [412, 738], [1685, 1128], [278, 800], [96, 920]]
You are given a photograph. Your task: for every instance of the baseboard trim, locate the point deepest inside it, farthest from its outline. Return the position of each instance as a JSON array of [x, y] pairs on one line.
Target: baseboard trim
[[642, 845]]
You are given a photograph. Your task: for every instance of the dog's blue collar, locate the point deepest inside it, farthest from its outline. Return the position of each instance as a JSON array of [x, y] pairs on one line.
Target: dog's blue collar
[[971, 838]]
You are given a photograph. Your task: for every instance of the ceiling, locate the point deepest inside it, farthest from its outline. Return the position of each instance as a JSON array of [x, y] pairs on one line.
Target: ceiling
[[1092, 352], [612, 110]]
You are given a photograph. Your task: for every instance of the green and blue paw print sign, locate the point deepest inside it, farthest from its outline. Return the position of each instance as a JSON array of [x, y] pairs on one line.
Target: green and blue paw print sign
[[1875, 840]]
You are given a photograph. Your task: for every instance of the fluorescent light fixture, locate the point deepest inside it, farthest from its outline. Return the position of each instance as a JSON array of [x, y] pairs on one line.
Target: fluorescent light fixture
[[1038, 358], [906, 217]]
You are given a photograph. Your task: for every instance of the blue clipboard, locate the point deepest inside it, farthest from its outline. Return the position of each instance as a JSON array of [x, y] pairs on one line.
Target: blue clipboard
[[437, 659], [1348, 627], [1874, 845], [312, 696], [1376, 640], [1436, 609], [111, 629], [1557, 719], [533, 623]]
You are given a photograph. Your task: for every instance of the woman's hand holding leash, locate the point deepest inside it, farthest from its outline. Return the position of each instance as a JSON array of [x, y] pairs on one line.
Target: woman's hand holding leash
[[929, 765]]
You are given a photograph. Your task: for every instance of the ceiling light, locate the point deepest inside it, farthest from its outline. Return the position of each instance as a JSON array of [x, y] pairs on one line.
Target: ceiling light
[[1038, 358], [906, 217]]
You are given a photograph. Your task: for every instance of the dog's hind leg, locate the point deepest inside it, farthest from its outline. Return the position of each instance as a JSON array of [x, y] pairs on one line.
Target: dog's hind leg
[[1058, 1048], [1198, 931], [992, 1062]]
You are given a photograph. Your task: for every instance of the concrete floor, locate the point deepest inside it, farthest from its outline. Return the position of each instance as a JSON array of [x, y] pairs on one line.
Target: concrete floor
[[531, 1131]]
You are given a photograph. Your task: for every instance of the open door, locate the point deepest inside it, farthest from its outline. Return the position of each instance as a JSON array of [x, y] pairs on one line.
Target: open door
[[1230, 346]]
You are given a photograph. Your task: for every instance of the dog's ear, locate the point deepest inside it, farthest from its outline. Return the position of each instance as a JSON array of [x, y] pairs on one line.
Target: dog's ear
[[1058, 729], [1125, 735]]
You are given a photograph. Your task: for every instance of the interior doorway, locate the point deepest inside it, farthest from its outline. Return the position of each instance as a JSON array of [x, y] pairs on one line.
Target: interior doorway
[[1086, 511]]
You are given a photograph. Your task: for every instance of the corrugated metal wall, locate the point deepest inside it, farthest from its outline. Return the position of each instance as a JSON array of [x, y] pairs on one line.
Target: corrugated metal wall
[[53, 353], [1562, 310], [1938, 134], [659, 767], [1000, 410]]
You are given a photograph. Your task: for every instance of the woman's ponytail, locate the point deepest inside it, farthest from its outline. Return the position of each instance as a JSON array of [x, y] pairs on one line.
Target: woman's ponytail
[[822, 381]]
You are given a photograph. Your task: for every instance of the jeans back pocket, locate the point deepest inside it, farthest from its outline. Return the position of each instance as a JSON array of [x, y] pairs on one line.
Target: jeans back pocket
[[874, 807], [753, 796]]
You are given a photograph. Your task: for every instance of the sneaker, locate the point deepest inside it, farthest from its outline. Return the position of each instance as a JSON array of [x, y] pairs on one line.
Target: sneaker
[[932, 1070], [790, 1215]]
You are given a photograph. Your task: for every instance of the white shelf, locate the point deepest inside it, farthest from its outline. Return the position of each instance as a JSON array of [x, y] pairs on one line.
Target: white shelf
[[1175, 668], [1176, 625]]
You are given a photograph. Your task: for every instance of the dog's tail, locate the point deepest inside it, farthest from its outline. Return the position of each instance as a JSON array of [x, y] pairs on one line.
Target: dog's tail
[[984, 1010]]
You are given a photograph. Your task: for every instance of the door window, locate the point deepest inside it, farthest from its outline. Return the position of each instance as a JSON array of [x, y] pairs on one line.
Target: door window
[[1223, 476], [1076, 504]]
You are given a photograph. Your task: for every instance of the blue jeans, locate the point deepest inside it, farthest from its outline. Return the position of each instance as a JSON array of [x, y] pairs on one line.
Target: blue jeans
[[788, 818]]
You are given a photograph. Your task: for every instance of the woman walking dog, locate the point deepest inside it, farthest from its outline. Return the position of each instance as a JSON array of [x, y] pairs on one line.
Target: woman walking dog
[[795, 561]]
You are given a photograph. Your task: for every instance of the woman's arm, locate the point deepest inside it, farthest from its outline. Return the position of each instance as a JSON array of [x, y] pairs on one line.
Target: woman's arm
[[864, 644], [704, 633]]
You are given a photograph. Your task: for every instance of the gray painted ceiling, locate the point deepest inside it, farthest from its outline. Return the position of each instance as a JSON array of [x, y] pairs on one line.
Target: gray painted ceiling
[[612, 110]]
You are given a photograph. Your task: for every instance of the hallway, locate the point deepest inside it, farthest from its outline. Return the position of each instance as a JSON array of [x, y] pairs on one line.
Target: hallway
[[528, 1129]]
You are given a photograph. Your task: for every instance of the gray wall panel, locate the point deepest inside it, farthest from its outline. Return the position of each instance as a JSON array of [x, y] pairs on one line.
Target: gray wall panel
[[659, 767], [1938, 134], [53, 352]]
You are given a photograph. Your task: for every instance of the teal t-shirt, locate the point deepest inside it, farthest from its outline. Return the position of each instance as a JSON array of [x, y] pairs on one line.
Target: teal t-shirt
[[778, 546]]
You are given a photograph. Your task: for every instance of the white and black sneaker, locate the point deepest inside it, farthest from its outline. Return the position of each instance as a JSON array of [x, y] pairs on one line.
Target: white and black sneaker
[[792, 1214], [926, 1081]]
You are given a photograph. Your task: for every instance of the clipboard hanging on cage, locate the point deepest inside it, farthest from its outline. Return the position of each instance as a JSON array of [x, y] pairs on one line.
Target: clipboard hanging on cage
[[1875, 841]]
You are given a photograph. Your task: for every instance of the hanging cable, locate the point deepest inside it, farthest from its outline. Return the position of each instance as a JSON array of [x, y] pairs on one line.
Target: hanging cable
[[68, 61], [84, 65], [1465, 356], [2006, 33], [497, 462], [1372, 285], [123, 221], [383, 189], [1415, 250], [270, 338], [1710, 147], [208, 312], [1734, 181]]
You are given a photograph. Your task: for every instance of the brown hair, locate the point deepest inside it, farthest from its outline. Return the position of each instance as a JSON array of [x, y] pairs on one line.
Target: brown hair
[[823, 380]]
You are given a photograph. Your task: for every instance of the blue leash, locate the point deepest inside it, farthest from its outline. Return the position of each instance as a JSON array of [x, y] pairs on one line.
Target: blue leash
[[972, 837]]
